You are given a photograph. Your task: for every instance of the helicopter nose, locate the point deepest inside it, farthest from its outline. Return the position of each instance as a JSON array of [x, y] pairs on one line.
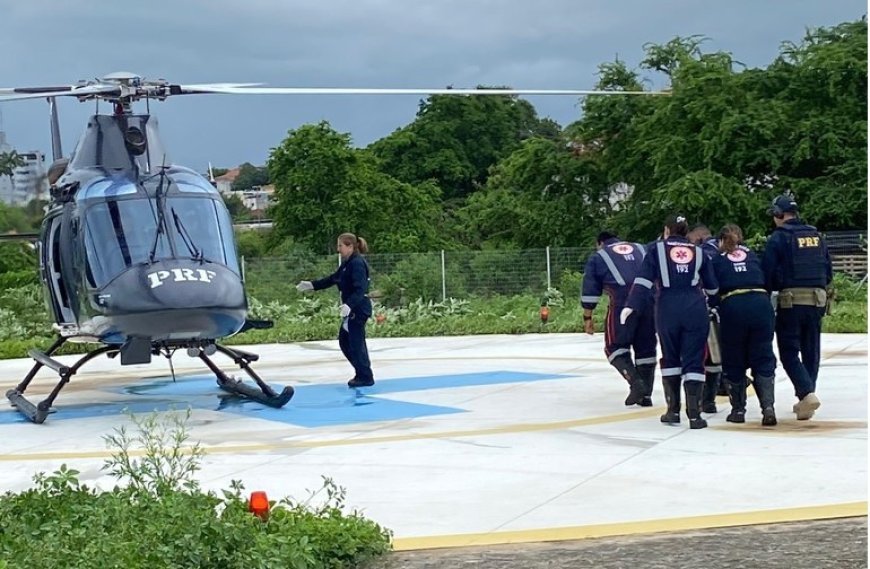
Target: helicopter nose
[[174, 299]]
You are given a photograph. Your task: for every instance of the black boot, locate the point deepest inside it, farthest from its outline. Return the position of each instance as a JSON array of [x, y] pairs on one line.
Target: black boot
[[671, 386], [694, 392], [711, 387], [648, 375], [764, 388], [737, 394], [625, 367]]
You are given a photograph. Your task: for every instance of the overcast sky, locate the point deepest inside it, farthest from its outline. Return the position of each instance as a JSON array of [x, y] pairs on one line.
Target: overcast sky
[[353, 43]]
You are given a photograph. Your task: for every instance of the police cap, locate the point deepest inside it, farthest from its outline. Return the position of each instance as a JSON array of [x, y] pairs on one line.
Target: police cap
[[783, 204]]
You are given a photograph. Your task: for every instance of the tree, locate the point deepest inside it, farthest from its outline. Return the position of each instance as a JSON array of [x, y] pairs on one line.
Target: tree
[[456, 139], [542, 194], [728, 138], [9, 161], [250, 176], [323, 188]]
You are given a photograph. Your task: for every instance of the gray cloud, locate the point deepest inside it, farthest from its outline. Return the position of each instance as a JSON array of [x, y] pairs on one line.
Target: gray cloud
[[364, 43]]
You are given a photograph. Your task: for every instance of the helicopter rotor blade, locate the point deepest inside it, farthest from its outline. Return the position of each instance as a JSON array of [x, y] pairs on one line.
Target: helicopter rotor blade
[[18, 93], [245, 90]]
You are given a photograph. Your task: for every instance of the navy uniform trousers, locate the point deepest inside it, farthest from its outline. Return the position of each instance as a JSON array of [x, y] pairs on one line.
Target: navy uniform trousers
[[746, 336], [798, 337]]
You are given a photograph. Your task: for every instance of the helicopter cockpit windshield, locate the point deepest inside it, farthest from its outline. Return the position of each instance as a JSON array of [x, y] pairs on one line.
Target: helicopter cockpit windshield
[[122, 231]]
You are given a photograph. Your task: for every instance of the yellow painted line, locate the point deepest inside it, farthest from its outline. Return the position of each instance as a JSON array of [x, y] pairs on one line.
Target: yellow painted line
[[265, 447], [832, 511]]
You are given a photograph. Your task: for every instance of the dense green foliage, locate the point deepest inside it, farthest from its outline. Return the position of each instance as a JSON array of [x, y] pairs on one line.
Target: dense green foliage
[[487, 172], [159, 517]]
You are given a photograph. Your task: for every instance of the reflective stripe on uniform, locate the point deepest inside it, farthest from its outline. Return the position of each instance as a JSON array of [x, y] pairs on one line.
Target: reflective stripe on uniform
[[663, 265], [645, 361], [612, 268], [590, 299], [642, 250], [643, 282], [616, 354], [713, 369], [699, 258], [668, 371], [692, 376]]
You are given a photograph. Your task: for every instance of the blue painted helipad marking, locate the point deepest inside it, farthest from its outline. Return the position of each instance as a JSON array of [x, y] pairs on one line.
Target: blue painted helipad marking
[[311, 406]]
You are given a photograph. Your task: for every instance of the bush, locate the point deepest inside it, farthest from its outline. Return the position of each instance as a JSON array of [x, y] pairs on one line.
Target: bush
[[161, 518]]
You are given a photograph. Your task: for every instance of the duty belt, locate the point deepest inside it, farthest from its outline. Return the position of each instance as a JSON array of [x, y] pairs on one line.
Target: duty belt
[[742, 291], [789, 297]]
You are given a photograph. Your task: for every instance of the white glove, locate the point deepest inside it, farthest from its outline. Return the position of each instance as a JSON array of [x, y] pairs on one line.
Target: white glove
[[623, 316], [304, 286], [344, 310]]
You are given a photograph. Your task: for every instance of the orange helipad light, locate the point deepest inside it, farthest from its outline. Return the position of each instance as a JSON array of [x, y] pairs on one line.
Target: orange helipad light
[[545, 314], [258, 504]]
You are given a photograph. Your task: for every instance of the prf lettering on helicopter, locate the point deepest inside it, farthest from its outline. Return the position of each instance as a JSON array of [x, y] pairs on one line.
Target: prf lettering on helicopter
[[137, 253]]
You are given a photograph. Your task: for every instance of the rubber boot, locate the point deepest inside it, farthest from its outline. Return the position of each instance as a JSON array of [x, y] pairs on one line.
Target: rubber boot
[[711, 387], [694, 393], [625, 367], [737, 395], [764, 388], [671, 386], [648, 375]]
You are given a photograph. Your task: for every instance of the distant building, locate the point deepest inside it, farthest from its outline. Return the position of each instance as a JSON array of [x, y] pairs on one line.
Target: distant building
[[225, 181], [258, 198], [28, 182], [5, 181]]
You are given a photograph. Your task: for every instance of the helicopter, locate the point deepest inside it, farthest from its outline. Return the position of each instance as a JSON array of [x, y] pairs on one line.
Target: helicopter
[[137, 253]]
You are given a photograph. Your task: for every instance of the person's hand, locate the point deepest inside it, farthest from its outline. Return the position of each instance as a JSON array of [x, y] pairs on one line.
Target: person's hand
[[623, 316], [344, 310], [589, 326], [304, 286]]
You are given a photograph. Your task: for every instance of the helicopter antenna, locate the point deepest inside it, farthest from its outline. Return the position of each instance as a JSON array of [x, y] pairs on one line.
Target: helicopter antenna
[[56, 150]]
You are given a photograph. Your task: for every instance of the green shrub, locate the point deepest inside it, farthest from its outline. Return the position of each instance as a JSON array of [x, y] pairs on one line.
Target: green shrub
[[161, 518]]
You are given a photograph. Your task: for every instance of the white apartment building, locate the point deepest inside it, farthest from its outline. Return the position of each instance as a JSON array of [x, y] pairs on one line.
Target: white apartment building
[[28, 181]]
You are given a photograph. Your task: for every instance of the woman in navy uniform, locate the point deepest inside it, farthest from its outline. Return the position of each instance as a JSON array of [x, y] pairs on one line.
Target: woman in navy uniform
[[352, 280], [611, 270], [746, 325], [678, 270]]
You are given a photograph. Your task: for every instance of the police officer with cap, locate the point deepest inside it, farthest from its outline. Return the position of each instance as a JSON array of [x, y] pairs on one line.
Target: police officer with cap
[[797, 266]]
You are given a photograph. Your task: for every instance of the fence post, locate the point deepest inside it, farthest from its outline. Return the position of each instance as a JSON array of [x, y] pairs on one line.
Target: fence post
[[549, 286], [443, 278], [243, 268]]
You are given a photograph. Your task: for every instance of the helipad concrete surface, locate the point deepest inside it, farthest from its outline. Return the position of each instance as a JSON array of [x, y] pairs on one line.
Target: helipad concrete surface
[[476, 439]]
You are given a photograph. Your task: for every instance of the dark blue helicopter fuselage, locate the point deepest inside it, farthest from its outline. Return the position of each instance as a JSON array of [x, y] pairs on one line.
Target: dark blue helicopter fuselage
[[134, 250]]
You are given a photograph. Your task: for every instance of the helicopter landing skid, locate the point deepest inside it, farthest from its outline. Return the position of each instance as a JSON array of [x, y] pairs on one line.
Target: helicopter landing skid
[[262, 392], [38, 413]]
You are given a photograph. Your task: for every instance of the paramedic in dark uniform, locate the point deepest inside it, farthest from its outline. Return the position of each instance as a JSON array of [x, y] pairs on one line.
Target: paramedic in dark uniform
[[746, 325], [611, 270], [797, 266], [678, 271], [352, 280], [700, 235]]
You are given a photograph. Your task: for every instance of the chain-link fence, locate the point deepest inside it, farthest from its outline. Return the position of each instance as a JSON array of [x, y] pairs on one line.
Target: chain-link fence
[[400, 278]]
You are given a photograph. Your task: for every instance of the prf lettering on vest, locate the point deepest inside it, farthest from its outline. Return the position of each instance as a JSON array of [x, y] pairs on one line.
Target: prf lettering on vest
[[180, 275], [808, 242]]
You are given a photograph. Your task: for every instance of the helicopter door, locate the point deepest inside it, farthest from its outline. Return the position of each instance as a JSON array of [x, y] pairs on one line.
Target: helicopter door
[[55, 254]]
